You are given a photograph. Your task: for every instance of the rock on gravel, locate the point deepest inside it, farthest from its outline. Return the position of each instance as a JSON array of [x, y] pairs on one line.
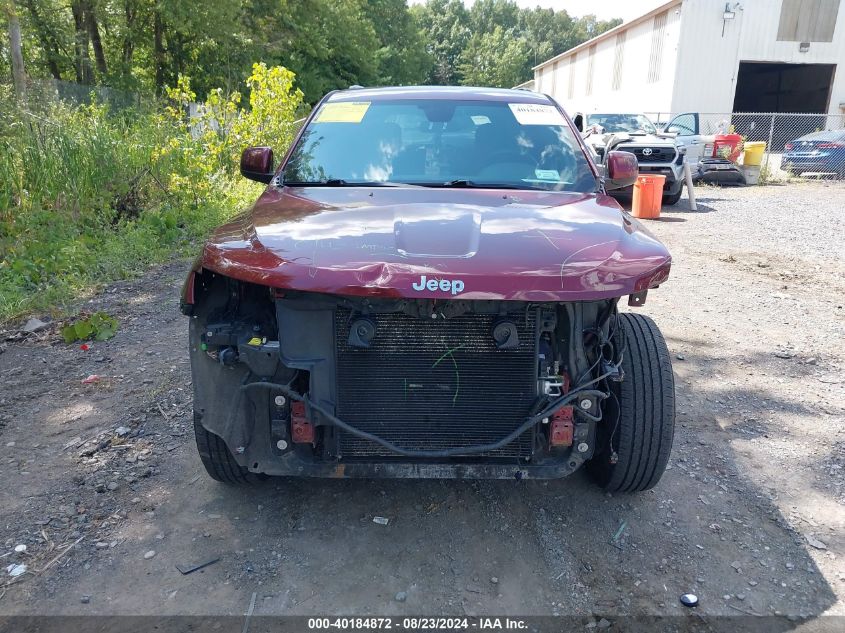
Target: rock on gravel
[[814, 542], [33, 325]]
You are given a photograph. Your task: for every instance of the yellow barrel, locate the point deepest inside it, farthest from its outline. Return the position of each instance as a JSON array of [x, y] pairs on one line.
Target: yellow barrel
[[754, 153]]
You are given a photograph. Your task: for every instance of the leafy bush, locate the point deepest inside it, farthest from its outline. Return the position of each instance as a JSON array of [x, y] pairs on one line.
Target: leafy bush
[[89, 195], [212, 141]]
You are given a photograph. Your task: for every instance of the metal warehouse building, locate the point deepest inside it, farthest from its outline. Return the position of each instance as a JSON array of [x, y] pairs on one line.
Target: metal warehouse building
[[709, 56]]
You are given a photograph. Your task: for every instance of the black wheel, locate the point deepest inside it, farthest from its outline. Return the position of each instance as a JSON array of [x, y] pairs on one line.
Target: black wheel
[[635, 435], [672, 198], [218, 460]]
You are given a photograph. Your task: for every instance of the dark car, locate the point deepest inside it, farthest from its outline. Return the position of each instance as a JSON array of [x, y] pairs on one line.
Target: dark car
[[428, 287], [819, 152]]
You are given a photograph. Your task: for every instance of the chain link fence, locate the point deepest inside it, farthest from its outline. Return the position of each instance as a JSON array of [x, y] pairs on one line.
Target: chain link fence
[[43, 91], [798, 145]]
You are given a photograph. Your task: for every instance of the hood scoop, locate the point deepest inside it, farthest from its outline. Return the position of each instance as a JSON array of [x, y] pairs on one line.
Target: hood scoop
[[450, 231]]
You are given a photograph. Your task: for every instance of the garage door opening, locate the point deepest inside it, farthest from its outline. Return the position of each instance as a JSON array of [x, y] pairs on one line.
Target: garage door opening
[[799, 88], [762, 87]]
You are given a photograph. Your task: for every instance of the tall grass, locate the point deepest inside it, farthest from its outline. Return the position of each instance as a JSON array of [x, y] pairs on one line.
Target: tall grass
[[88, 195]]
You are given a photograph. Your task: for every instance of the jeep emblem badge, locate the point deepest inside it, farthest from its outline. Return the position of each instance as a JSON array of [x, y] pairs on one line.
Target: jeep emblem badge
[[455, 286], [647, 151]]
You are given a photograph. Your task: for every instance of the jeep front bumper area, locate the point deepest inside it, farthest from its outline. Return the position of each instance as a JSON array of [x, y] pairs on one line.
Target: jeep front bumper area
[[332, 387]]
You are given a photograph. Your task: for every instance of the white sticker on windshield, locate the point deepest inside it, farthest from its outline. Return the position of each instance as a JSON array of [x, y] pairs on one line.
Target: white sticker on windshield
[[547, 174], [536, 114]]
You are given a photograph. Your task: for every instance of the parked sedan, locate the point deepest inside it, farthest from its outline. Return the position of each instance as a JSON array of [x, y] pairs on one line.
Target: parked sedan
[[819, 152]]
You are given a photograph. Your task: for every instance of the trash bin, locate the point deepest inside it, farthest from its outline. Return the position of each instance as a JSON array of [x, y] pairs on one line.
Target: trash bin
[[727, 146], [648, 196], [751, 174], [754, 151]]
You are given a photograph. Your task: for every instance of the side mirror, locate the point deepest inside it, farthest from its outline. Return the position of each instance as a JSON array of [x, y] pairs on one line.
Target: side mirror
[[257, 164], [622, 170]]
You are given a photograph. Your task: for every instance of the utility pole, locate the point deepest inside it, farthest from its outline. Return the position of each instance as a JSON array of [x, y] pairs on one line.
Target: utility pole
[[18, 73]]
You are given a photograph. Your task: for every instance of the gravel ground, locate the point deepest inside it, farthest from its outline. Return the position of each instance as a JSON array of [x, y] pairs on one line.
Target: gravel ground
[[103, 485]]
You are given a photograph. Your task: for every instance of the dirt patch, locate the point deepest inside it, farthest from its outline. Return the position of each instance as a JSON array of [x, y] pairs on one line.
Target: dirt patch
[[103, 486]]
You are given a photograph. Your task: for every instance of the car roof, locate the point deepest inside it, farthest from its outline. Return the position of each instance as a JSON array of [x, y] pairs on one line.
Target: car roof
[[826, 135], [439, 92]]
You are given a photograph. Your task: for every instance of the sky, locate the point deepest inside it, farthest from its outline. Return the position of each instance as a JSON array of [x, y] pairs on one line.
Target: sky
[[602, 9]]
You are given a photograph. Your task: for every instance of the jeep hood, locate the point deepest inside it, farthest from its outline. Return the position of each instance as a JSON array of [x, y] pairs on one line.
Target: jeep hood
[[474, 244]]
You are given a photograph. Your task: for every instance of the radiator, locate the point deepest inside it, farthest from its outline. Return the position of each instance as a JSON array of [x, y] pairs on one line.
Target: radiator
[[433, 384]]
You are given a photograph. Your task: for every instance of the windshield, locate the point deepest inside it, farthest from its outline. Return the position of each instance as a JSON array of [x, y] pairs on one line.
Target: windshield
[[440, 143], [630, 123]]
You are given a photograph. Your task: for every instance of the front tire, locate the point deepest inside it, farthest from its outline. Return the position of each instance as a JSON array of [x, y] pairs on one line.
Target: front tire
[[218, 460], [635, 436], [673, 198]]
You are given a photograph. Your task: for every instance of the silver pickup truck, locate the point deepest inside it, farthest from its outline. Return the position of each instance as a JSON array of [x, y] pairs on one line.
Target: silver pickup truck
[[657, 153]]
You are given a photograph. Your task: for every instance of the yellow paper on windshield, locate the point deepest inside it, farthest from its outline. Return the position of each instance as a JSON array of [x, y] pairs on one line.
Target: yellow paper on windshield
[[343, 112]]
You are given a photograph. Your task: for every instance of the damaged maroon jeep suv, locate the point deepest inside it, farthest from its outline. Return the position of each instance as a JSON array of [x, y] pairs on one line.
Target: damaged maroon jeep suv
[[429, 287]]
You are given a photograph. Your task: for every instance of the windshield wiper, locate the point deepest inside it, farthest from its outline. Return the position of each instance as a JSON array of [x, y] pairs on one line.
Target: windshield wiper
[[330, 182], [340, 182], [471, 184], [460, 182]]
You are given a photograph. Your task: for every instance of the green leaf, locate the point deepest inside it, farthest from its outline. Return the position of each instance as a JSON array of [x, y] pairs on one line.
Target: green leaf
[[84, 329], [105, 333], [69, 333]]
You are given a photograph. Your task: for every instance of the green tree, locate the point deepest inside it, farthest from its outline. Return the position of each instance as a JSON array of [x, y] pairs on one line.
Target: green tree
[[495, 58], [402, 58], [496, 42], [51, 49], [588, 26], [132, 44], [15, 48], [445, 29], [329, 44], [194, 38], [486, 15], [141, 46]]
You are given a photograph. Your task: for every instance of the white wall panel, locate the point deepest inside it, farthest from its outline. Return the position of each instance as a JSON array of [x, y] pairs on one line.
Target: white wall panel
[[635, 94]]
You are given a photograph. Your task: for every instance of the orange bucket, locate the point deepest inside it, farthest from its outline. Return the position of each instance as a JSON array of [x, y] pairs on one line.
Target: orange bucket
[[648, 196]]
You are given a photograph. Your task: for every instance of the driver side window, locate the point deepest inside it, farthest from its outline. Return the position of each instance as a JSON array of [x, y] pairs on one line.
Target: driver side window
[[683, 124]]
